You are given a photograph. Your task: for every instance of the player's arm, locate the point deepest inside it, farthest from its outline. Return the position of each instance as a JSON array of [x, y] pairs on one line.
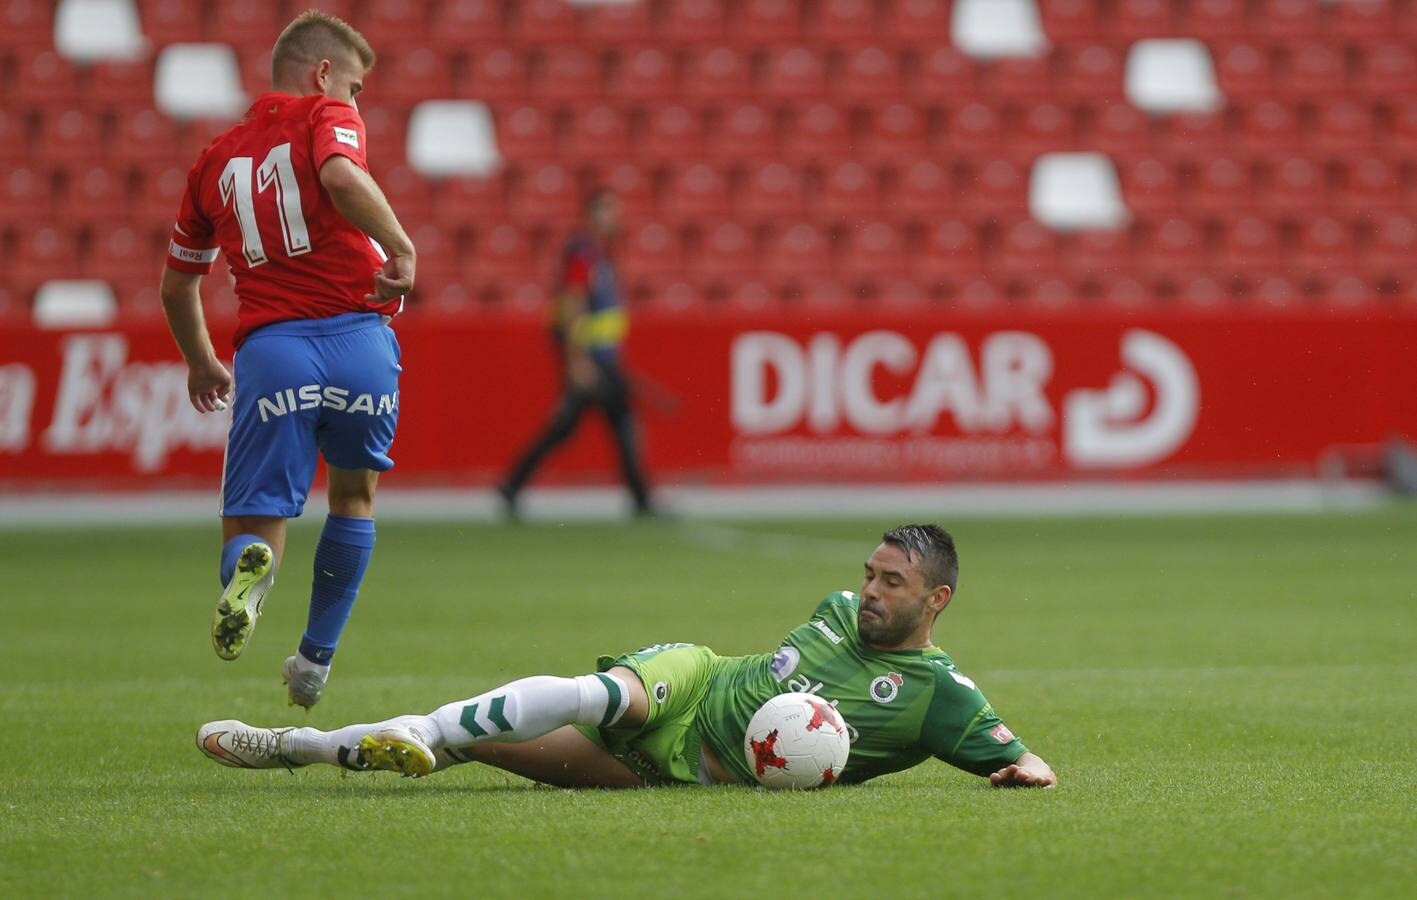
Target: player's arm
[[357, 197], [962, 728], [580, 368], [208, 381], [1029, 770]]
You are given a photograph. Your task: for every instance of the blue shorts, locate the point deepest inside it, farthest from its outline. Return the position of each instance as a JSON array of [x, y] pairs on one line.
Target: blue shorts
[[330, 385]]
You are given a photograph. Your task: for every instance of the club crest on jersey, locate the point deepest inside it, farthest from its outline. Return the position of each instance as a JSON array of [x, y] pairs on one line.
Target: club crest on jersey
[[347, 136], [661, 691], [784, 662], [885, 688]]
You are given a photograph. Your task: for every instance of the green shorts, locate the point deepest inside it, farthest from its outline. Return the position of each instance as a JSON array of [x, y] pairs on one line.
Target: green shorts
[[665, 749]]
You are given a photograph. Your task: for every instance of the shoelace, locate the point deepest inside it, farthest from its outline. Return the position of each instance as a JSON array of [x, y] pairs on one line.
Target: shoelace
[[263, 744]]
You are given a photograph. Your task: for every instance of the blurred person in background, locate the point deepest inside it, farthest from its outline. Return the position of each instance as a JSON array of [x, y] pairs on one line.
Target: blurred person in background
[[287, 196], [589, 324]]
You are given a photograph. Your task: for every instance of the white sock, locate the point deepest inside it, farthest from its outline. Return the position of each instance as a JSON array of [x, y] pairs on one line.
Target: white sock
[[337, 748], [530, 707]]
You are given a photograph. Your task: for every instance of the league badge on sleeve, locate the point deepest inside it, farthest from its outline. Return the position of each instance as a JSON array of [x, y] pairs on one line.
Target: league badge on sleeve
[[347, 136], [1001, 733]]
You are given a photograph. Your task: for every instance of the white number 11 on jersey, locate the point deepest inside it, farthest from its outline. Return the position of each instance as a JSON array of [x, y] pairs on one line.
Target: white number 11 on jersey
[[275, 169]]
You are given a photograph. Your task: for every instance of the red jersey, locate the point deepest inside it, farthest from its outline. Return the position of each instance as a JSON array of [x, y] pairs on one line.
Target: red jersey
[[255, 194]]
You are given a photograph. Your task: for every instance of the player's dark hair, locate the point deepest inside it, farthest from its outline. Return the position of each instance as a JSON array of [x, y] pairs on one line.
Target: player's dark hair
[[595, 196], [931, 549], [314, 35]]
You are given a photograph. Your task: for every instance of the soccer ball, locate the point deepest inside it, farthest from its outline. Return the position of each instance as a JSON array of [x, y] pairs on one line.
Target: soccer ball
[[796, 742]]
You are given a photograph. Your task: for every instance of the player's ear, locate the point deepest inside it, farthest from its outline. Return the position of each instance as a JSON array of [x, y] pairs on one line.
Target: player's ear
[[941, 598], [322, 75]]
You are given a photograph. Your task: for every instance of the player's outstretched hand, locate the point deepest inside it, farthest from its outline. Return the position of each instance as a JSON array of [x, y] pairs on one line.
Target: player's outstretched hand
[[209, 386], [1023, 776], [394, 280]]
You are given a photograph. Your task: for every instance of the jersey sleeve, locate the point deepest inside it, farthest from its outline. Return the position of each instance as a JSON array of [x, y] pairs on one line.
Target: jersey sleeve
[[193, 245], [337, 130], [962, 728], [575, 271], [846, 599]]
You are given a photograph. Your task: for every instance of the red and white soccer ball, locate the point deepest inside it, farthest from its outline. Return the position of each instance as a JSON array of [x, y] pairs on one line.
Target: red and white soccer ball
[[797, 742]]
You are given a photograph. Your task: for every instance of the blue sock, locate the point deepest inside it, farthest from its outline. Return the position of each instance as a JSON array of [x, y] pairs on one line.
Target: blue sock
[[231, 552], [341, 557]]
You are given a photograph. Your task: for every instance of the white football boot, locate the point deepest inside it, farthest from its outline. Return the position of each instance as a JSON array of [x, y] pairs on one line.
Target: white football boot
[[303, 685], [243, 746]]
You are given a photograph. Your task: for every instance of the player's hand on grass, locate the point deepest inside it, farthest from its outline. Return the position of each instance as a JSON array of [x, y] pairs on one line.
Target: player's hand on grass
[[208, 386], [1024, 774], [393, 280]]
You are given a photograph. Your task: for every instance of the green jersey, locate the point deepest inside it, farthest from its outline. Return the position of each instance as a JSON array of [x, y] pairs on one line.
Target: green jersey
[[901, 706]]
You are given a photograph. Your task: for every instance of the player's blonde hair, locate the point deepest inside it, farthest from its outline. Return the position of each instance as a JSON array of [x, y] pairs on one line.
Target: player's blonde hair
[[312, 36]]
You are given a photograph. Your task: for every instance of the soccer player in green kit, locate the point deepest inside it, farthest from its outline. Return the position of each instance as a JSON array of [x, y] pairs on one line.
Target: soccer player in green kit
[[677, 713]]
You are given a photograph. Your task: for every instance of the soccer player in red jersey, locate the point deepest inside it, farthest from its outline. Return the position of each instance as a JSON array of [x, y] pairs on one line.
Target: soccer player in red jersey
[[321, 265]]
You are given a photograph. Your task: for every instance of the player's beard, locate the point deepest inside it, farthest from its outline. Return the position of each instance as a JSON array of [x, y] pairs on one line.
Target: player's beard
[[887, 630]]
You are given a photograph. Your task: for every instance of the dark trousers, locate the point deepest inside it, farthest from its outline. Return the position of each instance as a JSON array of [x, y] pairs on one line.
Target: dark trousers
[[611, 394]]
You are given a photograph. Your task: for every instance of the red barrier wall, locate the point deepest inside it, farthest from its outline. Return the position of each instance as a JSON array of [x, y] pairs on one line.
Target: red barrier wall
[[839, 397]]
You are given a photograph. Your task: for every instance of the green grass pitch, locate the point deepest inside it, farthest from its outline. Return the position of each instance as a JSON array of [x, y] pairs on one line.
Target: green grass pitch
[[1230, 703]]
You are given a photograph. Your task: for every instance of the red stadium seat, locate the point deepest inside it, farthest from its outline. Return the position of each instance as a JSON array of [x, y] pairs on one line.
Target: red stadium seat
[[14, 137], [1251, 245], [546, 195], [726, 254], [121, 86], [644, 75], [796, 253], [1026, 250], [419, 74], [525, 133], [951, 252], [633, 187], [1121, 131], [1344, 128], [543, 22], [1173, 246], [497, 75], [615, 24], [744, 132], [900, 293], [1098, 254], [718, 74], [1045, 291], [998, 188], [870, 75], [393, 23], [386, 128], [1044, 128], [1296, 186], [27, 196], [975, 129], [769, 21], [95, 195], [874, 252], [772, 192], [923, 22], [1201, 291], [696, 192], [598, 134], [160, 197], [130, 257], [1288, 19], [1193, 136], [1151, 188], [818, 132], [1371, 185], [672, 134], [1388, 70], [1222, 187], [1093, 73], [1275, 291], [409, 191], [896, 132], [246, 24], [924, 191], [1022, 78], [468, 201], [1392, 251], [1122, 291], [1217, 20], [945, 75], [439, 257], [44, 253], [1134, 20], [651, 250], [72, 136], [1363, 20], [45, 79], [468, 24], [1340, 289], [147, 137], [1401, 135], [1315, 68], [849, 192], [1326, 247], [170, 21], [694, 21], [1245, 71], [843, 22], [1269, 128], [1070, 21], [568, 74], [502, 254], [795, 74]]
